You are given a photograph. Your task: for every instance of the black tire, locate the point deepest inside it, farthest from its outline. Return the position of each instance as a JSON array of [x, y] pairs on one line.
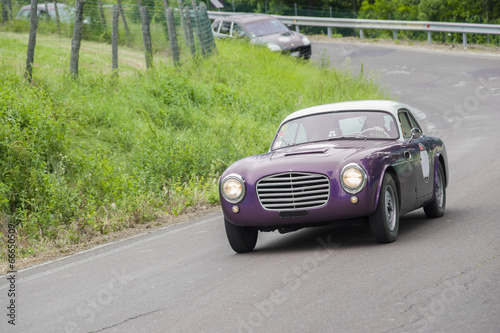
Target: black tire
[[384, 222], [437, 206], [241, 239]]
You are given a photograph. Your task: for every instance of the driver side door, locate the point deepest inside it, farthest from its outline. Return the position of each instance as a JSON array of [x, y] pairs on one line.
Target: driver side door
[[416, 145]]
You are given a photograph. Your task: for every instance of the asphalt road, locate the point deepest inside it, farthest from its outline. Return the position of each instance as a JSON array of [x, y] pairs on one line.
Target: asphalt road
[[440, 275]]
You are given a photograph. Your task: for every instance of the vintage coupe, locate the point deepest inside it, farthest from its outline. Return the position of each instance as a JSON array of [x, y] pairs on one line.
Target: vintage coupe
[[337, 162]]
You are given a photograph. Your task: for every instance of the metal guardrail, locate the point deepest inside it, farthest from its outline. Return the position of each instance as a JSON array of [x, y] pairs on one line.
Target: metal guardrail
[[361, 24]]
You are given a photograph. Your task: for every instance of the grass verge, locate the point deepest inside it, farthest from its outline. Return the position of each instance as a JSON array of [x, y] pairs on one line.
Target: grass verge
[[92, 156]]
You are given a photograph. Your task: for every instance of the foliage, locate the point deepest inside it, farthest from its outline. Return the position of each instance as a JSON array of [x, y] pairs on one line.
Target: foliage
[[485, 11], [389, 10], [481, 11], [432, 10], [101, 153], [459, 10]]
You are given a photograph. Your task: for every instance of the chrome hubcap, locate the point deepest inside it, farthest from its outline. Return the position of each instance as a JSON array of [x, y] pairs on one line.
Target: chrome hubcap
[[390, 208], [439, 190]]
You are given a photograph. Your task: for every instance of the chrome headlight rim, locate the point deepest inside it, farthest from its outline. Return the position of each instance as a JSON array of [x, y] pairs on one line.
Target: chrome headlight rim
[[362, 184], [241, 195]]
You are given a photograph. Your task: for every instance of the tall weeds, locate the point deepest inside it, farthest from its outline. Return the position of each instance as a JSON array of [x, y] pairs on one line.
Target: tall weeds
[[98, 154]]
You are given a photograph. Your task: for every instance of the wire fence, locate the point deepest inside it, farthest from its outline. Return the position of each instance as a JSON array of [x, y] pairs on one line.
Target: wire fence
[[174, 31]]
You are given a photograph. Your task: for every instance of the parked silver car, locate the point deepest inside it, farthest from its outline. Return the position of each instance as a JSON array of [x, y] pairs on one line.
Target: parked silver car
[[264, 30], [48, 11]]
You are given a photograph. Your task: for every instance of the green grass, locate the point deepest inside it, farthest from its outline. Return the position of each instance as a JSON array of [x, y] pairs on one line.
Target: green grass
[[98, 154]]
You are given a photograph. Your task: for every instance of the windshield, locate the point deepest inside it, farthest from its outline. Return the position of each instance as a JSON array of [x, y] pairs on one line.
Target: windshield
[[366, 125], [266, 27]]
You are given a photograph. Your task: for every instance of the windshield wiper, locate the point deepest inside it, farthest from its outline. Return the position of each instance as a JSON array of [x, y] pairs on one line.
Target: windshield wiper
[[288, 142], [348, 137]]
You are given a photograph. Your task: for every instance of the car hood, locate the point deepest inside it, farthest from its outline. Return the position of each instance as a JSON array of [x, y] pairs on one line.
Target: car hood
[[286, 40], [325, 157]]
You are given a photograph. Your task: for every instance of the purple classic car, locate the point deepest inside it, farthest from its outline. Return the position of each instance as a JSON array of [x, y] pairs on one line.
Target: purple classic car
[[365, 160]]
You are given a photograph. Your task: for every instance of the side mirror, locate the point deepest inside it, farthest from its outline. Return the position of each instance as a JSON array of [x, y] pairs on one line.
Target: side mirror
[[415, 133]]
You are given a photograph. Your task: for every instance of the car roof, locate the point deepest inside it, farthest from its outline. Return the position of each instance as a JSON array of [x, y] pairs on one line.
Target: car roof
[[247, 18], [366, 105]]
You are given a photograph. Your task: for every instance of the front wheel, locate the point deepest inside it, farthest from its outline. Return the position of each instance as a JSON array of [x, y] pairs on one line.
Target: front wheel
[[241, 239], [437, 206], [384, 222]]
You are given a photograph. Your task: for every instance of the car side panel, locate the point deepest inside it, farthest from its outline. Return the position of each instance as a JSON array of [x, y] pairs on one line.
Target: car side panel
[[406, 167], [439, 153]]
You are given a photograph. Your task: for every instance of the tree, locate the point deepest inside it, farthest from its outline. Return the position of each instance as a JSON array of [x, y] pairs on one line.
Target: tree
[[459, 10], [389, 10]]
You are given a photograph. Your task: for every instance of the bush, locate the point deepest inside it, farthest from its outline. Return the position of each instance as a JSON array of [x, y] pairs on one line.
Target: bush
[[100, 153]]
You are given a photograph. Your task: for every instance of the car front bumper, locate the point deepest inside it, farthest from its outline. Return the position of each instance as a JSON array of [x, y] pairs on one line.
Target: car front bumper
[[339, 207]]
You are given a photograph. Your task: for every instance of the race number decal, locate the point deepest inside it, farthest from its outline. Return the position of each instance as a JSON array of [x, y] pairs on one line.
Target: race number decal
[[426, 166]]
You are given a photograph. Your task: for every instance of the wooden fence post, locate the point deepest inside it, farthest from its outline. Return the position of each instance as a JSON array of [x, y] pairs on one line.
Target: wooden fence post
[[122, 14], [101, 10], [47, 17], [172, 35], [189, 31], [28, 75], [8, 6], [146, 36], [114, 40], [58, 20], [199, 31], [5, 11], [77, 38], [206, 29], [184, 26]]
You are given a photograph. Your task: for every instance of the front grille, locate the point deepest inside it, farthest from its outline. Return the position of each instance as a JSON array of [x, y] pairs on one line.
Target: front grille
[[304, 51], [294, 190]]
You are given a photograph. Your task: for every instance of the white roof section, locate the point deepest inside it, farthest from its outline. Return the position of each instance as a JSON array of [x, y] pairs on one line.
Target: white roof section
[[366, 105], [217, 4]]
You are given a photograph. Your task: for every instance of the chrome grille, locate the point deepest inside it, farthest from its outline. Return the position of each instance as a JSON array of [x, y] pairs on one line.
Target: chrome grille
[[294, 190]]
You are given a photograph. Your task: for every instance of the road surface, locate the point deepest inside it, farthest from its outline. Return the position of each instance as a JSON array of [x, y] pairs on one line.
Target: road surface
[[440, 275]]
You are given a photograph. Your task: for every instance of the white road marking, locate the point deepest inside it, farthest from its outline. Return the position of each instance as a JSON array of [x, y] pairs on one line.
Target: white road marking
[[104, 254]]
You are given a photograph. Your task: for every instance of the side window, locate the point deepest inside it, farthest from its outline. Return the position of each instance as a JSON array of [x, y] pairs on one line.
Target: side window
[[225, 28], [238, 31], [43, 13], [215, 26], [24, 14], [414, 123], [405, 124]]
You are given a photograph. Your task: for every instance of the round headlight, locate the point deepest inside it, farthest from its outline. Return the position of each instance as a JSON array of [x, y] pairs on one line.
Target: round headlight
[[233, 188], [273, 46], [353, 178], [305, 41]]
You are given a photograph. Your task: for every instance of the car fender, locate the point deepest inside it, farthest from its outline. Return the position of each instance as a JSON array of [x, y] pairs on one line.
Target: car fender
[[387, 168], [437, 161]]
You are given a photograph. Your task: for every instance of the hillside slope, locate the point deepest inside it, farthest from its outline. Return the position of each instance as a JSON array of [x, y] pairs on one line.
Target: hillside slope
[[86, 157]]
